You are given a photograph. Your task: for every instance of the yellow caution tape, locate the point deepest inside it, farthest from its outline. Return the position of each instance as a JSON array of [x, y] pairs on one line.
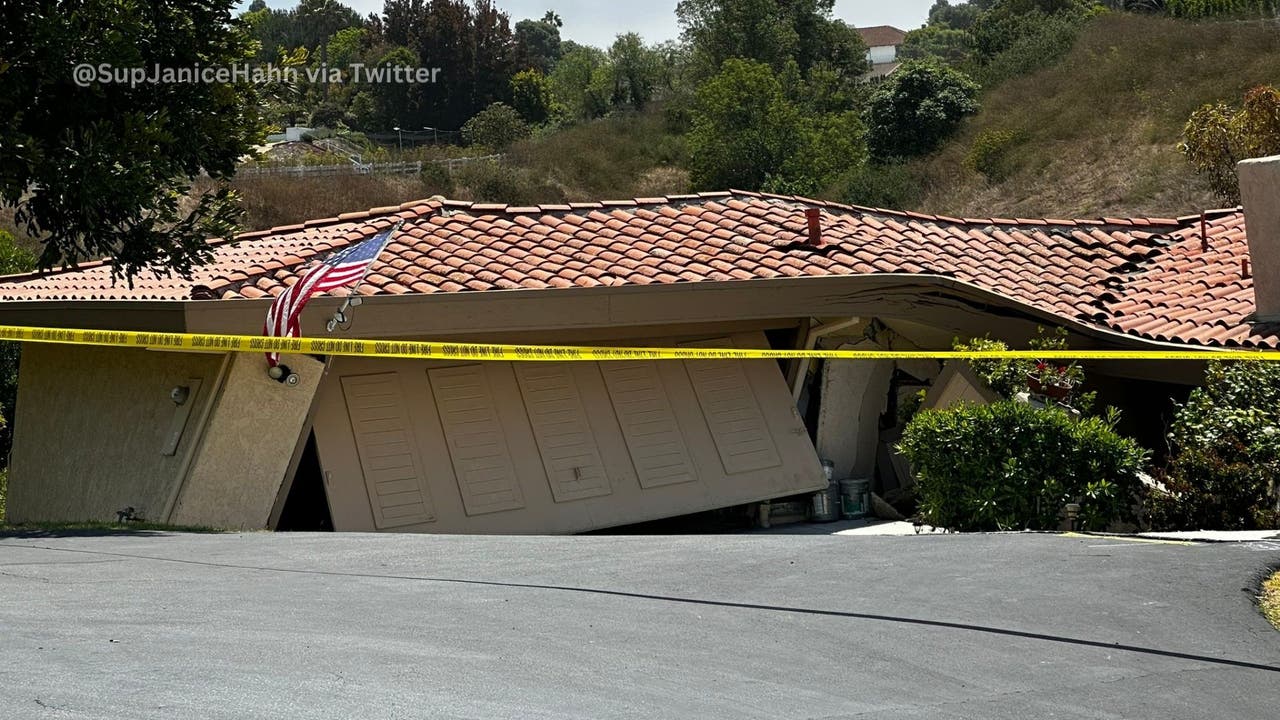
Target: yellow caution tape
[[202, 342]]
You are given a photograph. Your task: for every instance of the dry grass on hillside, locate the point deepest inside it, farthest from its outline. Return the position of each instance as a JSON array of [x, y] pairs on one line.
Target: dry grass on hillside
[[1097, 134]]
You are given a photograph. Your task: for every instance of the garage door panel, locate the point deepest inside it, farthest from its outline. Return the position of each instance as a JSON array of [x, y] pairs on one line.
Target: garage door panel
[[648, 423], [394, 481], [738, 428], [476, 440], [562, 431]]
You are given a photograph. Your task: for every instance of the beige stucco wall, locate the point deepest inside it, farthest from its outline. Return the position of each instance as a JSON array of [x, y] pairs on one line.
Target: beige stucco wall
[[91, 427], [424, 426], [247, 445]]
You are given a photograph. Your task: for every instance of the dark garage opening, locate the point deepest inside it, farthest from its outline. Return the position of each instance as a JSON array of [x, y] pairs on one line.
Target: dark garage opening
[[307, 508]]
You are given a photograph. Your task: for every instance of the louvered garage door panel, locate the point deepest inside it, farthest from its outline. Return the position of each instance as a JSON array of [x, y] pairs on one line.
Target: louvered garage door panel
[[562, 431], [733, 415], [648, 423], [477, 444], [388, 455]]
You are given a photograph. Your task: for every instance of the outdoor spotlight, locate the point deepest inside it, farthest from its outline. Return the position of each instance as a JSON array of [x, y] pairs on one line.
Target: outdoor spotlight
[[180, 394]]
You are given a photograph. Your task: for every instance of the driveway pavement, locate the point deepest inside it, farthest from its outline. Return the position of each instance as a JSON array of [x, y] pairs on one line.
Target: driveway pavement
[[745, 626]]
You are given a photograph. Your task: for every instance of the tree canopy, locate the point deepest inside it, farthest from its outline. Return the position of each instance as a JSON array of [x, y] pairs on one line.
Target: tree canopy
[[105, 169], [916, 109]]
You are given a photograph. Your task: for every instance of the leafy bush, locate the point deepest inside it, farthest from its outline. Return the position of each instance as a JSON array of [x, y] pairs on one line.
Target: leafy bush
[[492, 182], [1012, 466], [991, 153], [436, 179], [497, 126], [917, 108], [531, 96], [327, 115], [1226, 465], [889, 186], [1217, 137], [1040, 41], [13, 257], [4, 492], [1009, 377]]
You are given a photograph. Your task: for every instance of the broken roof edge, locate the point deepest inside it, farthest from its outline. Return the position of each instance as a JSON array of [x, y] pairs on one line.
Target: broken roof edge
[[230, 313]]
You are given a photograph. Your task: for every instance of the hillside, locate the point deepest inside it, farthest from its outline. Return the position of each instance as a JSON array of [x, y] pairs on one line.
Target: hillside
[[1097, 133]]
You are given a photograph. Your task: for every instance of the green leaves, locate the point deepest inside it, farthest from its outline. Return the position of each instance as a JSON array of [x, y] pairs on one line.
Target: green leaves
[[916, 109], [496, 127], [1217, 137], [102, 170], [1011, 466], [748, 134], [1225, 473]]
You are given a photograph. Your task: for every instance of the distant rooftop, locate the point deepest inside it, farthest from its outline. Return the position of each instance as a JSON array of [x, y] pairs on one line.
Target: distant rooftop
[[882, 35]]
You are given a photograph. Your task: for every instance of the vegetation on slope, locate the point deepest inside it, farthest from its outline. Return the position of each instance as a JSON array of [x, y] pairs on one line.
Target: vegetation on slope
[[1097, 133]]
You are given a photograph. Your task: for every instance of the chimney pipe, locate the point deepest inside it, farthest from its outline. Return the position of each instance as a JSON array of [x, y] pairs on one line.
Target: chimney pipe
[[814, 216], [1260, 194]]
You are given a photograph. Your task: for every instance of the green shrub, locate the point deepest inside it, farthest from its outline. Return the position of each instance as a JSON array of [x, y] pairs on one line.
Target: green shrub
[[436, 179], [1225, 471], [14, 258], [917, 108], [890, 186], [4, 493], [496, 127], [1012, 466], [493, 182], [1041, 42], [991, 153]]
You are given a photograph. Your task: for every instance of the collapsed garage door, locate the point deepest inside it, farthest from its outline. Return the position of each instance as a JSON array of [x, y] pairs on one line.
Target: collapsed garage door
[[417, 446]]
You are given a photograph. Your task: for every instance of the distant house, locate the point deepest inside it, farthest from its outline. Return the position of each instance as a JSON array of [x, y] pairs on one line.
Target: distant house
[[882, 42]]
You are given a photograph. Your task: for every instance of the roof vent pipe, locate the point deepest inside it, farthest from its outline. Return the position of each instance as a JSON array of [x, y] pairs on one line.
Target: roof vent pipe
[[814, 217], [1260, 194]]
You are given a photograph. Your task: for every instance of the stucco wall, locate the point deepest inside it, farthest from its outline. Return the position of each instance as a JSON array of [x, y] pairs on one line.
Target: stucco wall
[[882, 54], [247, 445], [91, 427]]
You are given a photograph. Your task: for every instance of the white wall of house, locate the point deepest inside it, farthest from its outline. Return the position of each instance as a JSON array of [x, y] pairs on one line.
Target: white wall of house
[[881, 54]]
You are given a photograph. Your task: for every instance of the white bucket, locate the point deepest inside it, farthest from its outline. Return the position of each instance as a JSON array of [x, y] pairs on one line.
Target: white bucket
[[855, 498]]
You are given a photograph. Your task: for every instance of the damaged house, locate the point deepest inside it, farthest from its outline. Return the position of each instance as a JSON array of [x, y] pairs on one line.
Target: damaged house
[[463, 447]]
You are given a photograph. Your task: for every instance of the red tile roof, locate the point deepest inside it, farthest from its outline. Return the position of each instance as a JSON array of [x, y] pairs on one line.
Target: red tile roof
[[882, 36], [1146, 277]]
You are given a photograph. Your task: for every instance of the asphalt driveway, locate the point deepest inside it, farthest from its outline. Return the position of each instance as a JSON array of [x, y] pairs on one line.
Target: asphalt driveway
[[745, 626]]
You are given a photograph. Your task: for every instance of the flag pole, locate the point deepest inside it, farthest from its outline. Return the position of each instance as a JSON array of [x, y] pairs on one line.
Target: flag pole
[[353, 300]]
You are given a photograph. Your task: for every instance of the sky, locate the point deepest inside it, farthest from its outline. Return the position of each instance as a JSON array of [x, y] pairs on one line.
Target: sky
[[597, 22]]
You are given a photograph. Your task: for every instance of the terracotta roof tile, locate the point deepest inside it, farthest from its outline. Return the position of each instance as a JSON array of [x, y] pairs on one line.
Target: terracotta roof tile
[[1144, 277]]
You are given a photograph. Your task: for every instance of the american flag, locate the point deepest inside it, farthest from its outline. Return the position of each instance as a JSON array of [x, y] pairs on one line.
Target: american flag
[[345, 267]]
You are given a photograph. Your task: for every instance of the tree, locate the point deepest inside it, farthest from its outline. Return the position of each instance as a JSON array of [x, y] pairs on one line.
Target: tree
[[104, 170], [496, 127], [537, 43], [1217, 137], [571, 81], [471, 41], [744, 129], [938, 42], [916, 109], [531, 96], [635, 71], [771, 32]]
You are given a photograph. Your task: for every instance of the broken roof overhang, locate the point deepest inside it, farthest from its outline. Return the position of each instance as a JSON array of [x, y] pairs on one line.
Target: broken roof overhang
[[1144, 278]]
